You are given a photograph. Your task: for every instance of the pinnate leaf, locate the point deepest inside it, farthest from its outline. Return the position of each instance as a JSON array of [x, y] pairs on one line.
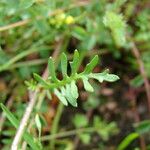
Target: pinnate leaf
[[89, 67], [104, 76], [66, 89]]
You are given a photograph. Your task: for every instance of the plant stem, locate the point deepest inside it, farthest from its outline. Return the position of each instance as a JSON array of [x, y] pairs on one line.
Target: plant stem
[[29, 63], [20, 56], [136, 116], [68, 133], [24, 121], [143, 72], [28, 111], [40, 98], [55, 124], [60, 106]]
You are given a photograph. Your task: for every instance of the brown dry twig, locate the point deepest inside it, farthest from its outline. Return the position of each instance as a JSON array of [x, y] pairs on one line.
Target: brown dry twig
[[28, 111], [136, 53]]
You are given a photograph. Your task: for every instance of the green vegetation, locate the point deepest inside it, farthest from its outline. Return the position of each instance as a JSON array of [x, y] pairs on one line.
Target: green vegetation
[[55, 92]]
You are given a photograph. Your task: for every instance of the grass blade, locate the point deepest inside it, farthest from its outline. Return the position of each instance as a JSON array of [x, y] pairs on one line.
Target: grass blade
[[28, 138]]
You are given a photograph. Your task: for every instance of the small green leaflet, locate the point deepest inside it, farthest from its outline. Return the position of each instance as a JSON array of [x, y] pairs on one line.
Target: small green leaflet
[[104, 76], [75, 63], [87, 85], [40, 80], [38, 124], [80, 120], [74, 90], [61, 97], [79, 32], [85, 138], [51, 69], [64, 65], [70, 98], [89, 67], [70, 94], [63, 91]]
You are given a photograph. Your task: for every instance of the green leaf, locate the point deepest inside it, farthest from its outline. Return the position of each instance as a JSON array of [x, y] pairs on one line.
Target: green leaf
[[51, 69], [75, 63], [74, 90], [137, 81], [6, 141], [41, 26], [38, 124], [117, 26], [26, 3], [63, 91], [80, 120], [87, 85], [79, 33], [104, 76], [4, 57], [124, 144], [61, 97], [70, 98], [89, 67], [10, 116], [31, 84], [64, 64], [40, 80], [85, 138], [90, 42], [8, 132], [28, 138], [143, 127]]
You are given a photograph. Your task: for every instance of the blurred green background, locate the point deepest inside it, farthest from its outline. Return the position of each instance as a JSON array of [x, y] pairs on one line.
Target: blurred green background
[[116, 115]]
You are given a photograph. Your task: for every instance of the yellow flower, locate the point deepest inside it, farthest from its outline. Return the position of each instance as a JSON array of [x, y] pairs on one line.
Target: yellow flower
[[69, 20]]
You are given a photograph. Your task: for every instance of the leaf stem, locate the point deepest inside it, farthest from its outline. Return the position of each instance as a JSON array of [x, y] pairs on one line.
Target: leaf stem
[[68, 133]]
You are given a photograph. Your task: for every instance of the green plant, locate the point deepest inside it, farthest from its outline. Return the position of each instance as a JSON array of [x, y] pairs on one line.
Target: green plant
[[66, 89], [127, 140], [33, 30], [99, 126]]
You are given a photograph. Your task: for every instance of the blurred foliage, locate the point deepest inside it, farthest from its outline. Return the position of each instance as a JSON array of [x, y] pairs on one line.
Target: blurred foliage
[[31, 30]]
